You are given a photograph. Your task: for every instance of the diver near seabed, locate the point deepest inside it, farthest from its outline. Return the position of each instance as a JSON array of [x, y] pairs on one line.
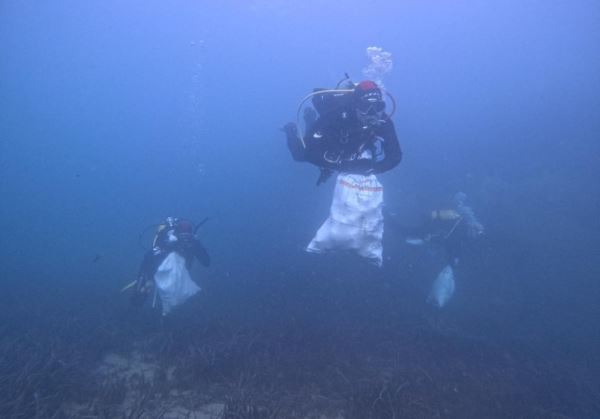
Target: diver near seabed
[[451, 229], [348, 131], [165, 268]]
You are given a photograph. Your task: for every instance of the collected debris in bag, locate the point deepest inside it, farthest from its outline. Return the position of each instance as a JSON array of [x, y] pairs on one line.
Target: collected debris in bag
[[355, 220]]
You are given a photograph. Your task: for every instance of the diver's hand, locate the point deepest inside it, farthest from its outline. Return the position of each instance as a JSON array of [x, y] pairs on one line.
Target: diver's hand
[[290, 129]]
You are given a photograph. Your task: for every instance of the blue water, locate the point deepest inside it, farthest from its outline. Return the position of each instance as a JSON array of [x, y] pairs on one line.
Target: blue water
[[114, 115]]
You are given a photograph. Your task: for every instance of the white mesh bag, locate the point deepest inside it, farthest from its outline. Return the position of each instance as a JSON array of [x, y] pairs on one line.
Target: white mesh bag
[[355, 220]]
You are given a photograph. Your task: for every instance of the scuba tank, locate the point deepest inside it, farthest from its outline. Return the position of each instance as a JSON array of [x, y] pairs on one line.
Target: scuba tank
[[338, 99], [331, 100]]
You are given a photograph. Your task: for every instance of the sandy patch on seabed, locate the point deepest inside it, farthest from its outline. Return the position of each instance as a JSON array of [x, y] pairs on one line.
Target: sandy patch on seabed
[[139, 387]]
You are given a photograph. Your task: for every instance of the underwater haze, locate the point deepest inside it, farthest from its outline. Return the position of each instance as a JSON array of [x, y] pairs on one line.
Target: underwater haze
[[115, 115]]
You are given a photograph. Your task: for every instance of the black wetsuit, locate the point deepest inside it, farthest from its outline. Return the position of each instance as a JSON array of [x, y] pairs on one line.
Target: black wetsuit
[[186, 245], [338, 141]]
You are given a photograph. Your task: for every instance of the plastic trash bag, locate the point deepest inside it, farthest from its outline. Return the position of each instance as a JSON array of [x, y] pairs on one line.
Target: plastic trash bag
[[355, 219], [443, 287], [173, 282]]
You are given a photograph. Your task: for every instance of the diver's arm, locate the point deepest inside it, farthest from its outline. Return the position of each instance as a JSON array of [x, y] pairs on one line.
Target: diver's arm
[[391, 148], [317, 154], [147, 268], [200, 253], [320, 158], [143, 280], [152, 260], [317, 151]]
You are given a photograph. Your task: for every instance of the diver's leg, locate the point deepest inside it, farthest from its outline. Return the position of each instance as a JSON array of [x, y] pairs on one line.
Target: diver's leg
[[144, 279]]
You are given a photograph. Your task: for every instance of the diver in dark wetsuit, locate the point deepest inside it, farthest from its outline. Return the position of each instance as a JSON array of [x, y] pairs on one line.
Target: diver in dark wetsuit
[[450, 228], [352, 133], [174, 235]]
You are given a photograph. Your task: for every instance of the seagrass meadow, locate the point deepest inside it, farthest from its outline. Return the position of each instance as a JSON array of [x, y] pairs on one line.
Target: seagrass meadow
[[116, 115]]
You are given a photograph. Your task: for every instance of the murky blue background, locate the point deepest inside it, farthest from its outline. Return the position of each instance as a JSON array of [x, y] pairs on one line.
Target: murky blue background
[[114, 115]]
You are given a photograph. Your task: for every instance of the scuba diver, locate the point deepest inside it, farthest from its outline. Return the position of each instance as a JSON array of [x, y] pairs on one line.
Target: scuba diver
[[451, 229], [348, 131], [166, 267]]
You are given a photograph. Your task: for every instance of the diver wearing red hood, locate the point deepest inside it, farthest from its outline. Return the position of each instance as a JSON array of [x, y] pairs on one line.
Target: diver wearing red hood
[[347, 131]]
